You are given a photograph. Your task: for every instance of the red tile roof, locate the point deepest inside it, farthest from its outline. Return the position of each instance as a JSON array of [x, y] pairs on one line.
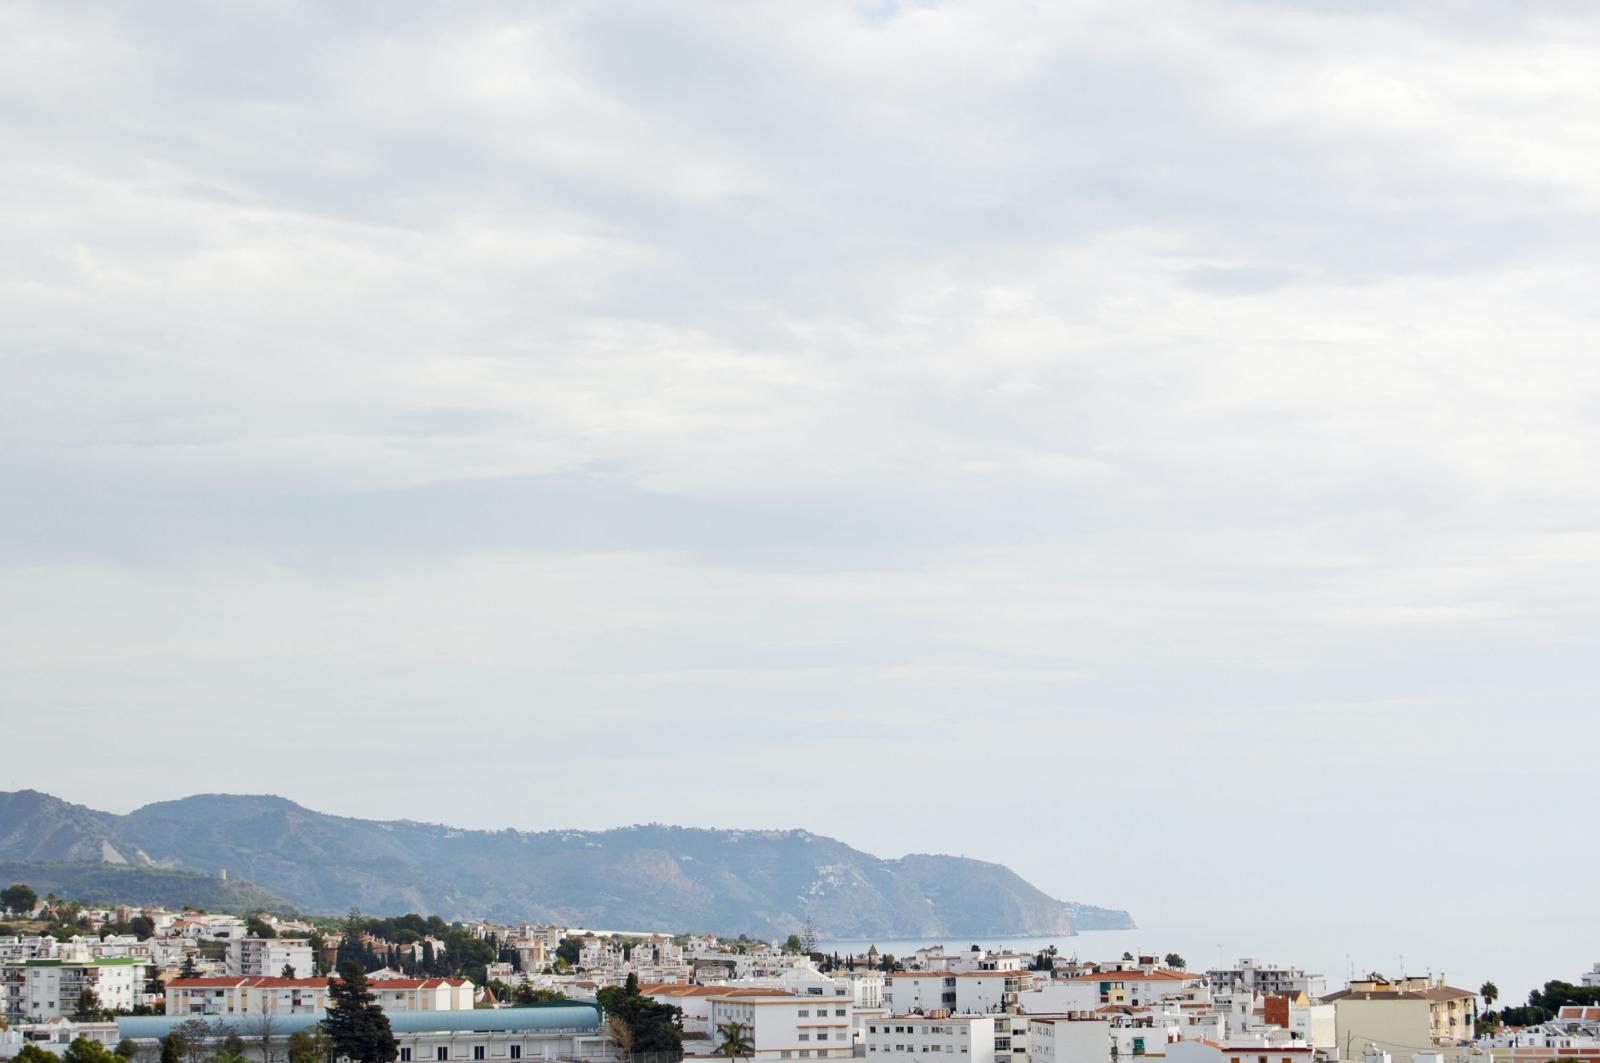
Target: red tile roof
[[256, 982], [679, 989], [1158, 975]]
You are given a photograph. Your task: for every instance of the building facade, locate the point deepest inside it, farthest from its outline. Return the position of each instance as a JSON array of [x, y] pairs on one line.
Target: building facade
[[40, 989], [897, 1038], [787, 1027], [268, 957]]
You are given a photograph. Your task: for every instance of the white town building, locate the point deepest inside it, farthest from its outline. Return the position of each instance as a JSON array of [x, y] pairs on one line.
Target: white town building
[[897, 1038], [784, 1027], [267, 957], [40, 989]]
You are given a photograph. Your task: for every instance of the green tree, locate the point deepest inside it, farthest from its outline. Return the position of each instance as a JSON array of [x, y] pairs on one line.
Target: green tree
[[569, 949], [308, 1046], [18, 897], [1175, 961], [84, 1050], [357, 1027], [143, 927], [794, 945], [1490, 993], [172, 1047], [126, 1049], [188, 970], [808, 937], [195, 1037], [736, 1040], [88, 1008], [641, 1025], [1127, 955], [258, 927], [32, 1053]]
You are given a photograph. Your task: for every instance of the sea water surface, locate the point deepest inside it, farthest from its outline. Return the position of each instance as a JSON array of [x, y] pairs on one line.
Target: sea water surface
[[1517, 956]]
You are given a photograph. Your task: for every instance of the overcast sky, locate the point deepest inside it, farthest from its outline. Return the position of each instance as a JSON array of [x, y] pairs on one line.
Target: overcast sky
[[1152, 446]]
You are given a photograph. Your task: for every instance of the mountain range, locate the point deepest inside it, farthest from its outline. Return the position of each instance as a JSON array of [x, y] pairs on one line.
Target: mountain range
[[763, 882]]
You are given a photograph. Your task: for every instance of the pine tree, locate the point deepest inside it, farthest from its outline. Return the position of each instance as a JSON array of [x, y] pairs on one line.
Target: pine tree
[[356, 1025]]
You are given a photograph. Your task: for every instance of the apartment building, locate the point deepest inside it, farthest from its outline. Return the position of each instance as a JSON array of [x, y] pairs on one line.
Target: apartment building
[[1068, 1039], [508, 1035], [41, 989], [1238, 1052], [256, 996], [1401, 1017], [267, 957], [898, 1038], [966, 993], [1134, 988], [695, 1002], [787, 1027], [1266, 979], [237, 995]]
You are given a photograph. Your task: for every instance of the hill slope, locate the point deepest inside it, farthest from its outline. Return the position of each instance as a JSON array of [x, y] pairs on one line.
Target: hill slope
[[763, 882], [107, 884]]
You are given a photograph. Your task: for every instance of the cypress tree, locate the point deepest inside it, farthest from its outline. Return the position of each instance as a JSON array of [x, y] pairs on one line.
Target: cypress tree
[[356, 1025]]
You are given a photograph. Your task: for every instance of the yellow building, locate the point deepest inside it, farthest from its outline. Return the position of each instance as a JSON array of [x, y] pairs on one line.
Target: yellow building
[[1403, 1017]]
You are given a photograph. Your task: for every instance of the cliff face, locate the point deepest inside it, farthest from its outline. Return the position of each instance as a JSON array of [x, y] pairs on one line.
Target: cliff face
[[761, 882]]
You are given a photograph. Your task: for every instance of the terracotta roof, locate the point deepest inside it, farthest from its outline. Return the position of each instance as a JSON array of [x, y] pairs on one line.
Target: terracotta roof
[[1578, 1011], [253, 982], [1371, 994], [1260, 1049], [256, 982], [960, 974], [679, 989], [1159, 975]]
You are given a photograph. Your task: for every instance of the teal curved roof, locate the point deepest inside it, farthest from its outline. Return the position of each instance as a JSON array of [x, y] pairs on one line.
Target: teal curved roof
[[577, 1016]]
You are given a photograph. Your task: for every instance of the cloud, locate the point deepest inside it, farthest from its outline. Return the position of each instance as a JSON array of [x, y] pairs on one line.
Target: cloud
[[922, 392]]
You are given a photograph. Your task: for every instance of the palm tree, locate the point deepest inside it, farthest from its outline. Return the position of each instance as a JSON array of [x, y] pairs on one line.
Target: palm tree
[[736, 1040], [1490, 993]]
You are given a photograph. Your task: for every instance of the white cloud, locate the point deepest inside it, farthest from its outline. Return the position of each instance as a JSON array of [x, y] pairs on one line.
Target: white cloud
[[1179, 388]]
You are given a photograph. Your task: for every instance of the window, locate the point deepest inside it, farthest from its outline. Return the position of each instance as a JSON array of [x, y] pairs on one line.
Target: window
[[785, 1054], [822, 1035], [442, 1052], [839, 1014], [805, 1037], [805, 1053], [805, 1013], [516, 1051], [477, 1052], [405, 1055]]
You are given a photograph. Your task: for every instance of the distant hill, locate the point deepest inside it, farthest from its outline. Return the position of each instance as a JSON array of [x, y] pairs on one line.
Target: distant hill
[[761, 882], [106, 884]]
